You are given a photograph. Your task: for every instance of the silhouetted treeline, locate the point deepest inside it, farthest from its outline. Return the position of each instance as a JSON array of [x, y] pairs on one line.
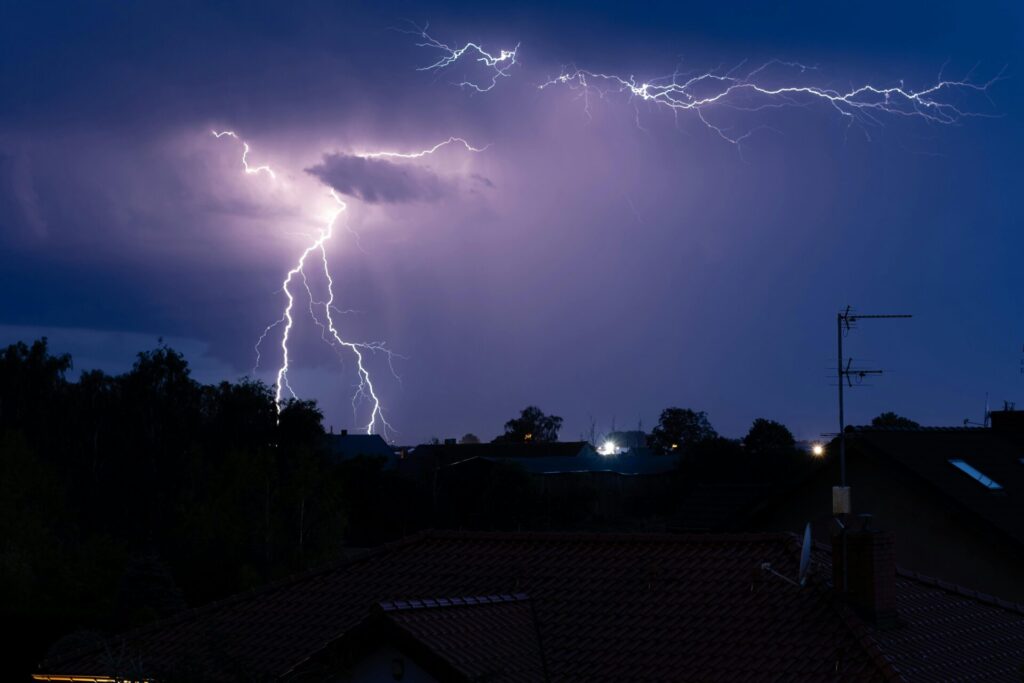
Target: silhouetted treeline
[[125, 498]]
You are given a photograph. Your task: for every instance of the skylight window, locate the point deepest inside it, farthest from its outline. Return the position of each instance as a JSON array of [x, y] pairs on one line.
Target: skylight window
[[975, 474]]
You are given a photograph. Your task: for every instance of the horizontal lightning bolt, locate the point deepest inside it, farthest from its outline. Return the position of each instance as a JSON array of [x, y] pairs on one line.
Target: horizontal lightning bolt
[[701, 92], [421, 153]]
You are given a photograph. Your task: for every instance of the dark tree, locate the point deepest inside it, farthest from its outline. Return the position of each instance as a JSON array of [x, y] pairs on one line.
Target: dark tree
[[891, 419], [767, 437], [300, 424], [469, 438], [532, 425], [122, 498], [680, 429]]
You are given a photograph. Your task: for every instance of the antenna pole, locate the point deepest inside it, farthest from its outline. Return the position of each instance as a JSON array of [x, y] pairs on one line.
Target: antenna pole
[[842, 419], [844, 370], [841, 507]]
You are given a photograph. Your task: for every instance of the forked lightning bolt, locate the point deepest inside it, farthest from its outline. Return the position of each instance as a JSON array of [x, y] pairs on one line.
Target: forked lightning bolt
[[322, 312], [864, 104], [497, 65]]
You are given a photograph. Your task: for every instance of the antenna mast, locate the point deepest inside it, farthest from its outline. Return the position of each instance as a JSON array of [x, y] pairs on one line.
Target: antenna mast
[[845, 371], [841, 506]]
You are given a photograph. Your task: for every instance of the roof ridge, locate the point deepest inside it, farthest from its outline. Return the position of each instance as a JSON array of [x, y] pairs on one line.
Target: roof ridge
[[963, 591], [200, 610], [919, 428], [462, 601], [614, 536]]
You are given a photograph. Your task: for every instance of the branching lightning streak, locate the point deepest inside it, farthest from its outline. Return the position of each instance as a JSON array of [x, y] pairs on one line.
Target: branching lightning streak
[[421, 153], [499, 64], [698, 93], [365, 389], [251, 170]]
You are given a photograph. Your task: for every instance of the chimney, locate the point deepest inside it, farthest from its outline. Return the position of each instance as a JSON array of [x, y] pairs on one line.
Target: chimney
[[344, 432], [869, 566], [1008, 422]]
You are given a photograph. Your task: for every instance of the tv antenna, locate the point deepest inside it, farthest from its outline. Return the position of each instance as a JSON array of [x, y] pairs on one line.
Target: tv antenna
[[845, 321]]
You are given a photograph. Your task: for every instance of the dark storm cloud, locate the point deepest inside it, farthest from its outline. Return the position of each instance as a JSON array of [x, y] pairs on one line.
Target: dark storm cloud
[[378, 181], [119, 211]]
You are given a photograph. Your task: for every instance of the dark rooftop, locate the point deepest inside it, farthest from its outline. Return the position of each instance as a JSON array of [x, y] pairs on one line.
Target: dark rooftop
[[345, 445], [606, 607], [504, 449], [938, 457]]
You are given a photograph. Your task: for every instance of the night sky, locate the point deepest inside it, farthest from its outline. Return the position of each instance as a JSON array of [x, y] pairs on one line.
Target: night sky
[[601, 259]]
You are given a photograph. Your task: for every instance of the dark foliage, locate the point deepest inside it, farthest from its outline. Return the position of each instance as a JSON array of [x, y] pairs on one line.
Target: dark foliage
[[532, 425], [767, 437], [891, 419], [127, 498], [681, 429]]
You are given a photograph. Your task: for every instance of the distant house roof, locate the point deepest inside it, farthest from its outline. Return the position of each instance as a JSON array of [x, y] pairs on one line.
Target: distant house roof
[[628, 439], [950, 460], [618, 464], [428, 457], [344, 446], [505, 449], [604, 607], [481, 638]]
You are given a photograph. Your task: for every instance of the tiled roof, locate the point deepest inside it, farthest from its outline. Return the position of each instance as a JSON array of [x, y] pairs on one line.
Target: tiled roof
[[606, 607], [952, 634], [492, 638], [609, 607], [483, 638]]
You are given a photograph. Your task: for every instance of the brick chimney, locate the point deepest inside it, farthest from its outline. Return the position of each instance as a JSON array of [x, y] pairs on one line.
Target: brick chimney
[[870, 568]]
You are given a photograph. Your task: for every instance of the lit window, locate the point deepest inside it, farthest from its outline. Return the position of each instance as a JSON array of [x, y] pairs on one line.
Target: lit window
[[976, 475]]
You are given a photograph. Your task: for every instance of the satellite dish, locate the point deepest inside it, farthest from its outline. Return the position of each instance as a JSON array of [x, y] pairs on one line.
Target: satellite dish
[[805, 554]]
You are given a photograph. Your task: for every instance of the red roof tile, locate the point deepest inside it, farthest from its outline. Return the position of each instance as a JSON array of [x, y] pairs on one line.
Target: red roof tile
[[953, 634], [606, 607]]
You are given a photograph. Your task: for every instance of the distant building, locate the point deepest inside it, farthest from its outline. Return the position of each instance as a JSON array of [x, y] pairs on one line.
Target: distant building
[[953, 495], [345, 446], [617, 443], [570, 478], [501, 607], [427, 458]]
